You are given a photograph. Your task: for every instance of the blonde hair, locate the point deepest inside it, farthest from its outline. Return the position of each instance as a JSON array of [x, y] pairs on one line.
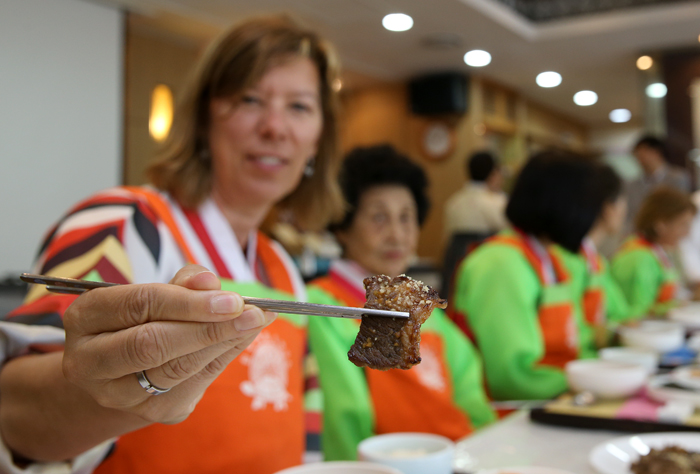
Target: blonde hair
[[662, 205], [235, 62]]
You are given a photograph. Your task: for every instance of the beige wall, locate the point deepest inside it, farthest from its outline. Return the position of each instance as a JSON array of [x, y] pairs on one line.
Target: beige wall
[[151, 59], [380, 114]]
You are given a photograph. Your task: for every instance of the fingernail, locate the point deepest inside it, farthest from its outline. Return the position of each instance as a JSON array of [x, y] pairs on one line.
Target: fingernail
[[250, 319], [226, 304]]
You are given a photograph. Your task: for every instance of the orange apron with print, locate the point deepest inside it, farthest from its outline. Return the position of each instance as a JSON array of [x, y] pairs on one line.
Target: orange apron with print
[[594, 294], [250, 419], [556, 318], [419, 399]]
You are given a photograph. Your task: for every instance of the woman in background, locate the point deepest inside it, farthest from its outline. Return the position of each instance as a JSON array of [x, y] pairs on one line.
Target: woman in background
[[598, 294], [379, 235], [256, 130], [642, 267], [514, 290]]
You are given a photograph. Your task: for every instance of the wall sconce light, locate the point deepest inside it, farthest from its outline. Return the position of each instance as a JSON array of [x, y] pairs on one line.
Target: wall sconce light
[[161, 117]]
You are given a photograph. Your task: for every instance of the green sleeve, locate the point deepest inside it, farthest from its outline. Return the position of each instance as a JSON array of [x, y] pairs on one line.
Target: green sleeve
[[498, 291], [465, 369], [616, 307], [638, 275], [578, 272], [348, 416]]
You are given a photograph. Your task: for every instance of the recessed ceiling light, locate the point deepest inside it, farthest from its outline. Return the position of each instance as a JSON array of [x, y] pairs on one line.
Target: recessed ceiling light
[[620, 116], [548, 79], [584, 98], [477, 58], [397, 22], [656, 90], [645, 62]]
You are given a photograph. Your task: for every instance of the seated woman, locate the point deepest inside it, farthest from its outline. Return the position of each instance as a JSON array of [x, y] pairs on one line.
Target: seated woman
[[379, 234], [514, 291], [600, 298], [642, 267]]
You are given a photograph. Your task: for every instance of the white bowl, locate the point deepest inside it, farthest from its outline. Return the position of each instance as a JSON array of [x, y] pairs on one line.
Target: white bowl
[[605, 379], [659, 336], [340, 467], [524, 470], [632, 355], [410, 453]]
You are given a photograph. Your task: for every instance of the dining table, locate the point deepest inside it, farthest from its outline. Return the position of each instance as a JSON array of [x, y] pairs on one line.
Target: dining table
[[516, 441]]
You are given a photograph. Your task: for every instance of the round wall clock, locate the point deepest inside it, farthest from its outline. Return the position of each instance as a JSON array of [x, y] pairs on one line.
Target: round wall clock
[[437, 141]]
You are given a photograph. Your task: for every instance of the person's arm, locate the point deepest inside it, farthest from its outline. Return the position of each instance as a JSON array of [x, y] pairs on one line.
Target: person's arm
[[498, 292], [638, 276], [466, 371], [57, 405], [348, 416], [616, 307]]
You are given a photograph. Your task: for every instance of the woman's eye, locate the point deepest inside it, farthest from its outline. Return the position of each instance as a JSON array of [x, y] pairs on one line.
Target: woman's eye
[[250, 99], [301, 107], [379, 218]]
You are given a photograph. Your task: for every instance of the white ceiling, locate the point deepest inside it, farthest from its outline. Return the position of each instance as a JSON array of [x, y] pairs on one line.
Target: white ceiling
[[596, 52]]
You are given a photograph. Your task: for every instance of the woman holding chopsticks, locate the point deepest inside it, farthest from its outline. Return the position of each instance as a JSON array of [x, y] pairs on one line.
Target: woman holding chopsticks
[[179, 372]]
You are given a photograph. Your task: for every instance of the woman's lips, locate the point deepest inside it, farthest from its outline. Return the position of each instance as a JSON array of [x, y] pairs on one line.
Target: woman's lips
[[267, 162], [394, 255]]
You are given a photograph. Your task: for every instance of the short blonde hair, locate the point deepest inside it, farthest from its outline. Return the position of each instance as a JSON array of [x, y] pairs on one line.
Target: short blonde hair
[[235, 62], [662, 205]]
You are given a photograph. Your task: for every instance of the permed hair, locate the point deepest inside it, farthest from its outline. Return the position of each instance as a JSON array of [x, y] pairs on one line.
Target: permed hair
[[369, 167]]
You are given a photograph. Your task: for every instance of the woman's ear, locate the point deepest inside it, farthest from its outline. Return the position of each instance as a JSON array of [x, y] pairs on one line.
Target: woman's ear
[[660, 228]]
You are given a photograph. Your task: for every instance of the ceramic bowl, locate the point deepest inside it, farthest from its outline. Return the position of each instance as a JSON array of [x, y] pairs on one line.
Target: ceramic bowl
[[647, 358], [410, 453], [605, 379], [341, 467], [659, 336]]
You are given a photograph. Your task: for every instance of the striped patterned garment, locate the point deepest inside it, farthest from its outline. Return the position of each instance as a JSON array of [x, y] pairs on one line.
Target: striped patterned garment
[[139, 235]]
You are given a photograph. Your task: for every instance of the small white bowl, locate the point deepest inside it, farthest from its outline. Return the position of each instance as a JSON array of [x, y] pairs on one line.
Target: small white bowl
[[605, 379], [340, 467], [410, 453], [659, 336], [632, 355]]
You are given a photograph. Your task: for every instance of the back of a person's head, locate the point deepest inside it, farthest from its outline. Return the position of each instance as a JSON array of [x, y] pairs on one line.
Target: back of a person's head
[[555, 197], [662, 205], [653, 143], [380, 165], [480, 166]]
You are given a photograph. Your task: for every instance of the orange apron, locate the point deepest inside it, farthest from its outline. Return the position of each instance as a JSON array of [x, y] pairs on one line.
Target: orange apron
[[419, 399], [251, 418], [593, 294], [669, 285], [556, 310]]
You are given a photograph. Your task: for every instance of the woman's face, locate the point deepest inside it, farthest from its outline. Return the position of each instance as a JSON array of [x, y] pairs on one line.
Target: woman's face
[[669, 233], [613, 216], [384, 233], [261, 142]]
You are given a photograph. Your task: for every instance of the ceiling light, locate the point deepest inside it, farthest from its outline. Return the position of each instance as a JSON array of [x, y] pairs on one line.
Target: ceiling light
[[397, 22], [620, 116], [644, 62], [584, 98], [477, 58], [656, 90], [548, 79]]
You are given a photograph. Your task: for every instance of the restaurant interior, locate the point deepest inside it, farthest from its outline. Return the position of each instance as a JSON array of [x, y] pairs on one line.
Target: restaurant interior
[[89, 89]]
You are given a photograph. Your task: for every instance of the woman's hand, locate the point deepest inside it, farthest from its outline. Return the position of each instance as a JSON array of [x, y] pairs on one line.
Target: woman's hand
[[183, 335]]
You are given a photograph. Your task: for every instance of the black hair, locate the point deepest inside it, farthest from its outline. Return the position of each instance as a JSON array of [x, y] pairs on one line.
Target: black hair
[[559, 195], [480, 166], [654, 143], [368, 167]]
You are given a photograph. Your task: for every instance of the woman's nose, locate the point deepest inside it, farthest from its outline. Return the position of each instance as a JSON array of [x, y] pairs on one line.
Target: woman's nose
[[273, 124]]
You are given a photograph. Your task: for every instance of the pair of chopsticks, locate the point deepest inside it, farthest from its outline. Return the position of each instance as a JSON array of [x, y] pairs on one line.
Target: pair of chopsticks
[[77, 287]]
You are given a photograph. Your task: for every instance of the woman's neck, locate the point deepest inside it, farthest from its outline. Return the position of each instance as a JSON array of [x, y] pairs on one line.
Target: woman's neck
[[243, 219], [597, 235]]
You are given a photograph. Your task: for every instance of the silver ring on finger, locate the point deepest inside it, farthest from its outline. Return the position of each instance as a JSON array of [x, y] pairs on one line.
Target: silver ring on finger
[[150, 388]]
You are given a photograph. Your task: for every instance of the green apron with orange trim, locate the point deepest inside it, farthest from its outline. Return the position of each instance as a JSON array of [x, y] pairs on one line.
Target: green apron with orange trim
[[646, 276], [442, 394], [254, 408], [518, 304]]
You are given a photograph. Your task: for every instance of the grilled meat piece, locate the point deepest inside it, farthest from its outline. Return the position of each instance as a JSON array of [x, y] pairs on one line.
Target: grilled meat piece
[[393, 343]]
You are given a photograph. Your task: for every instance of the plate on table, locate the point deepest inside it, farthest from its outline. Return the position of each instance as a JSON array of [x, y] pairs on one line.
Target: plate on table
[[688, 377], [524, 470], [617, 455], [661, 389], [688, 315]]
